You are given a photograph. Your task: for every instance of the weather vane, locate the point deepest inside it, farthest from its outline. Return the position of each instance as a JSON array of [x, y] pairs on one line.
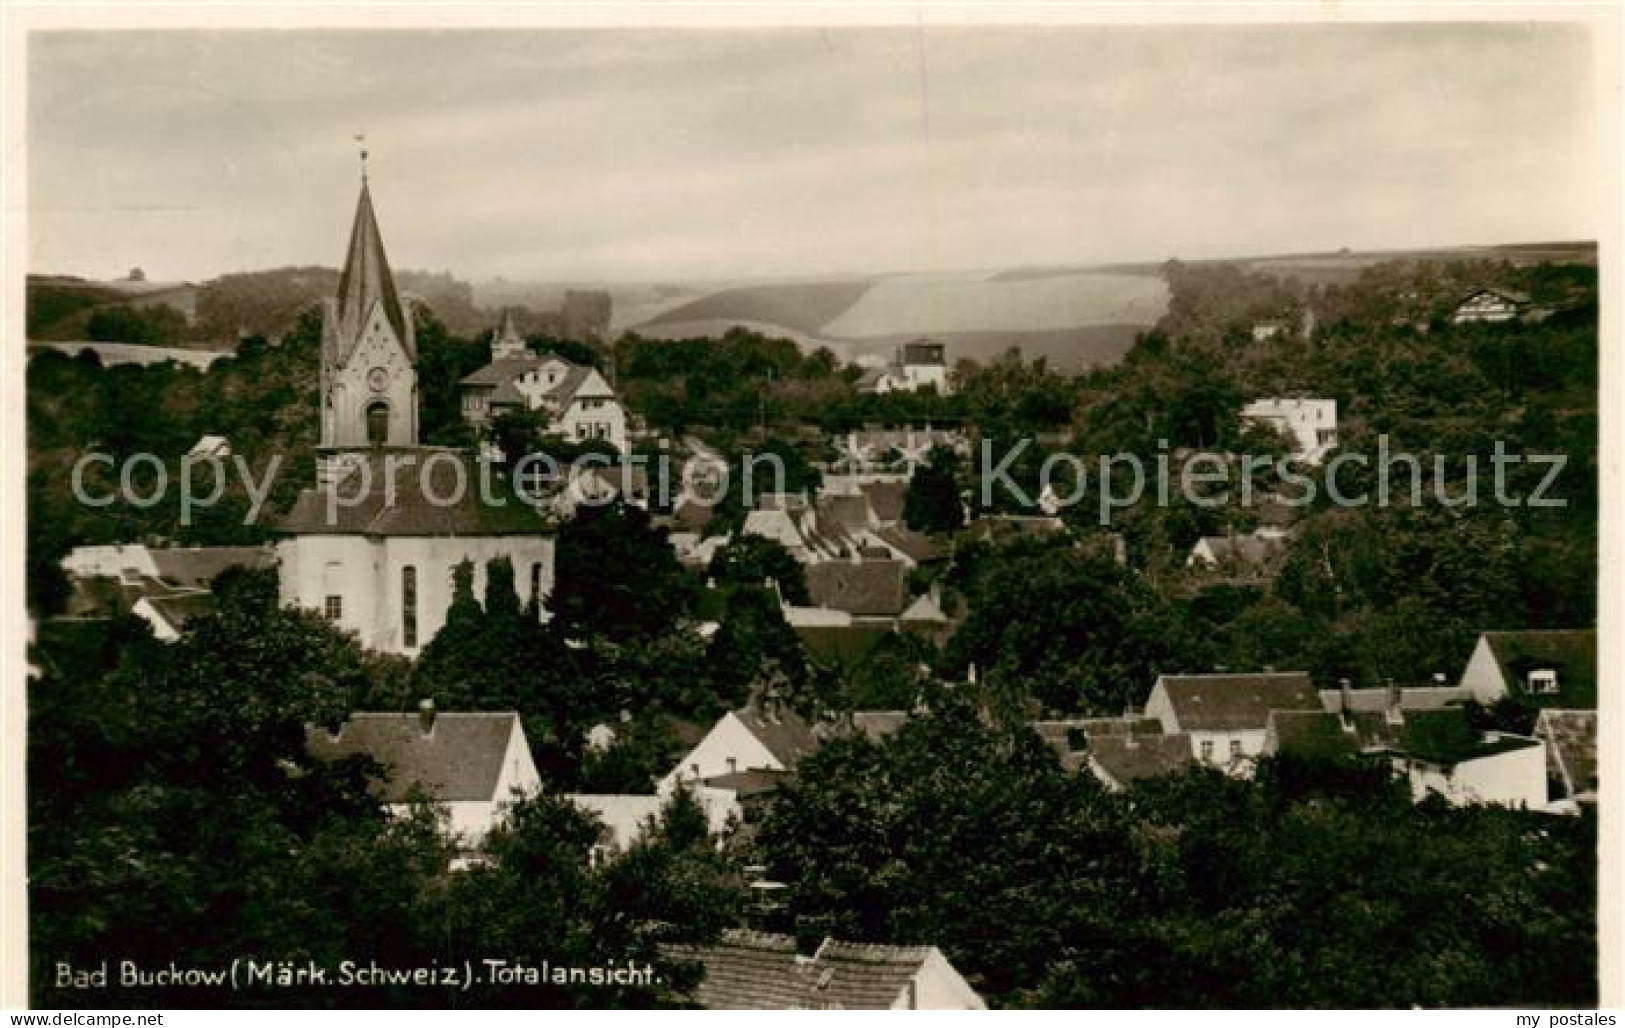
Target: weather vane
[[361, 140]]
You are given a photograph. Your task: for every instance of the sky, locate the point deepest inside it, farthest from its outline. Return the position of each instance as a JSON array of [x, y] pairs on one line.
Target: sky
[[697, 155]]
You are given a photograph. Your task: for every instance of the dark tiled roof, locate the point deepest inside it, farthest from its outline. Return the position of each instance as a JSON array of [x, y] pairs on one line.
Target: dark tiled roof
[[366, 279], [503, 371], [1375, 701], [782, 731], [917, 545], [1308, 734], [460, 759], [1571, 748], [1446, 737], [748, 783], [199, 566], [873, 587], [886, 498], [1132, 757], [761, 971], [847, 512], [1572, 653], [179, 608], [1219, 702], [414, 510]]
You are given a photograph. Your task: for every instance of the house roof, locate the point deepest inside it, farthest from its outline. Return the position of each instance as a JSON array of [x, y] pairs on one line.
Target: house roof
[[886, 498], [502, 374], [1132, 757], [1572, 653], [1376, 701], [782, 731], [1571, 739], [1509, 295], [748, 783], [917, 546], [460, 758], [922, 352], [748, 970], [851, 513], [925, 609], [875, 588], [1236, 701], [1252, 550], [179, 608], [415, 510], [1310, 734], [366, 280], [876, 725], [199, 566], [1441, 736]]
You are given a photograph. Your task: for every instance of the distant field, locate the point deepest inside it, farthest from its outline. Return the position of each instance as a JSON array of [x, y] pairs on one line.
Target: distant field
[[1066, 349], [801, 306], [938, 305]]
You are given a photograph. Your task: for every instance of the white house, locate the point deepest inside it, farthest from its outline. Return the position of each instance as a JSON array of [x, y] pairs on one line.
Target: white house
[[1226, 716], [747, 970], [473, 766], [578, 400], [918, 365], [1547, 668], [627, 817], [1504, 769], [168, 614], [1489, 306], [1311, 425], [753, 738]]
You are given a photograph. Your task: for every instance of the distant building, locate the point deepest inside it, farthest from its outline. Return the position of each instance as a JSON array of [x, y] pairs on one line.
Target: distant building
[[1310, 425], [1256, 554], [472, 765], [758, 737], [918, 365], [210, 446], [749, 970], [578, 400], [1227, 716], [1551, 668], [1490, 306], [168, 614]]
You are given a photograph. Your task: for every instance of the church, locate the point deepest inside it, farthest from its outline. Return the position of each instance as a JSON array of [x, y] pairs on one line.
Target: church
[[373, 545]]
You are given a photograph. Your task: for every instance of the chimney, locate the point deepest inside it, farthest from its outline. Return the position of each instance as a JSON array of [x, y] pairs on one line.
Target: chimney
[[426, 715], [1439, 679], [970, 675], [1345, 695], [1396, 701]]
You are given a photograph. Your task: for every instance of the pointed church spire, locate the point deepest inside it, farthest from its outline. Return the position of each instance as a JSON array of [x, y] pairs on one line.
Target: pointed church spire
[[366, 278], [508, 343]]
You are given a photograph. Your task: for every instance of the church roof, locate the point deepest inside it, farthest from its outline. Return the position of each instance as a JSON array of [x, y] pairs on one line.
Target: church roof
[[366, 280], [417, 503]]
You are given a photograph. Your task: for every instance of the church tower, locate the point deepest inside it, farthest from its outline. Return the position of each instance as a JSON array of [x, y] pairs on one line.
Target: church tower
[[369, 352]]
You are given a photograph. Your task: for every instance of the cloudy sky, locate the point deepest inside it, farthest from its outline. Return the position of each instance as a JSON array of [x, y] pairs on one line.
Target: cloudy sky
[[638, 154]]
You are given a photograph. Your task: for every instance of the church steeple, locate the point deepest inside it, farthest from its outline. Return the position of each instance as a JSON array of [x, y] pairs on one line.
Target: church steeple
[[366, 278], [369, 350], [508, 344]]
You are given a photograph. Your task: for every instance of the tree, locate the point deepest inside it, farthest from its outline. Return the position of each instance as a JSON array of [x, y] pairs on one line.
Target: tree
[[617, 576], [754, 559], [755, 648], [932, 502]]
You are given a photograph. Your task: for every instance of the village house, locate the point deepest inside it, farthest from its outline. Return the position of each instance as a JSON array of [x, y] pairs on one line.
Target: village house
[[473, 766], [763, 736], [922, 364], [748, 970], [1570, 737], [1257, 554], [578, 400], [1310, 425], [1489, 306], [1543, 668], [1226, 716], [164, 586], [628, 817], [375, 545], [210, 447]]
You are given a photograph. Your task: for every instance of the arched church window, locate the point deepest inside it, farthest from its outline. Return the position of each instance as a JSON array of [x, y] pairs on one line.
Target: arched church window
[[377, 423], [409, 606]]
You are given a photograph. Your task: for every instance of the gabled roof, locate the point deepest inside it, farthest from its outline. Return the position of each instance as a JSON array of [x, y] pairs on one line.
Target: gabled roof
[[748, 783], [1251, 550], [840, 645], [781, 731], [1510, 295], [886, 498], [851, 513], [502, 371], [179, 608], [199, 566], [414, 509], [874, 588], [1571, 748], [917, 546], [1572, 653], [460, 758], [366, 280], [924, 610], [1132, 757], [747, 970], [1236, 701]]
